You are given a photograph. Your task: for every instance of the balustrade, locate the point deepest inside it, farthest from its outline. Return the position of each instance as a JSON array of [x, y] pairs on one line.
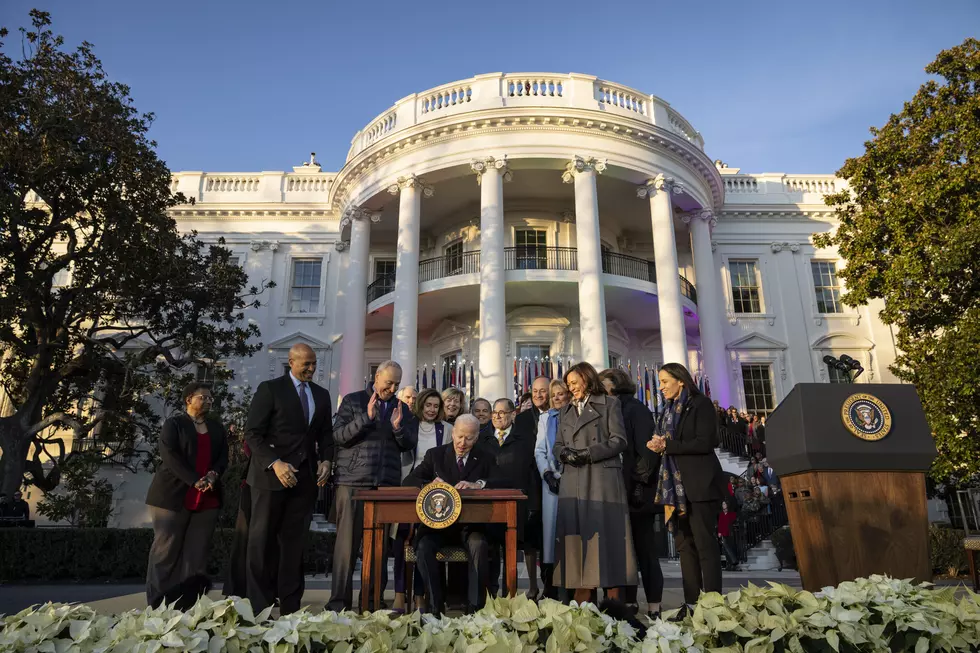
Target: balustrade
[[449, 266], [741, 185], [380, 128], [302, 183], [231, 184], [540, 258], [688, 289], [380, 287], [445, 97], [629, 266], [682, 127], [526, 86], [622, 97], [809, 185]]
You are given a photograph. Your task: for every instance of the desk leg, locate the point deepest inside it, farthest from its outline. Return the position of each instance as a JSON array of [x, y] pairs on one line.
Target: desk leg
[[380, 532], [367, 556], [511, 549]]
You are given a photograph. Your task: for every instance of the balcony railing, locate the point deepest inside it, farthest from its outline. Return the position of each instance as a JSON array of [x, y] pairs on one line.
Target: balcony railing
[[381, 287], [529, 257], [449, 266], [629, 266]]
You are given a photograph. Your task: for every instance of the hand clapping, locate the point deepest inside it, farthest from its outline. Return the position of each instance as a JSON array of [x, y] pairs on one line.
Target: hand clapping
[[372, 410], [657, 443], [396, 416]]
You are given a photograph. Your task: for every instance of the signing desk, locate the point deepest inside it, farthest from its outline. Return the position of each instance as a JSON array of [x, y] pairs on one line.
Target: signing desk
[[391, 505]]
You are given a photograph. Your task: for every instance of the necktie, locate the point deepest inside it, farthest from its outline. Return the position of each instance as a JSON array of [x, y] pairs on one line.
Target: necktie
[[305, 401], [500, 438], [459, 464]]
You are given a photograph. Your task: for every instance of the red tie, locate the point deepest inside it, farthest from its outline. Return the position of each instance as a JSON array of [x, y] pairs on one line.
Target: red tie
[[459, 463]]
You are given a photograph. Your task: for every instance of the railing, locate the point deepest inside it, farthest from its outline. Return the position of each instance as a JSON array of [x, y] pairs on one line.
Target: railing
[[496, 90], [540, 258], [688, 290], [629, 266], [772, 188], [751, 529], [380, 287], [741, 185], [449, 266], [231, 184], [317, 183], [733, 442], [809, 185]]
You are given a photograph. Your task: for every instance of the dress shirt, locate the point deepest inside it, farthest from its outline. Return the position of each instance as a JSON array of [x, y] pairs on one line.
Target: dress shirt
[[502, 438], [309, 394]]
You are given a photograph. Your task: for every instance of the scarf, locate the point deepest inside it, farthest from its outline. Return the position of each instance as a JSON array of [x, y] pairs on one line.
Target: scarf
[[553, 431], [670, 487]]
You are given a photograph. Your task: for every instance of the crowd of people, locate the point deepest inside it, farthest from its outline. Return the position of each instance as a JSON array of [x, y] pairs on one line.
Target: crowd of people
[[596, 465], [14, 511]]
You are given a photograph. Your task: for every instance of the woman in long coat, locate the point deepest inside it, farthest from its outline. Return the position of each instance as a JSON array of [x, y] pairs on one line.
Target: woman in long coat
[[550, 471], [594, 543]]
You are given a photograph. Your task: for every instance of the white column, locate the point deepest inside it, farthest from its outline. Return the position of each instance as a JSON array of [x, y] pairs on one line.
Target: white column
[[355, 300], [591, 297], [405, 325], [710, 313], [491, 174], [673, 339]]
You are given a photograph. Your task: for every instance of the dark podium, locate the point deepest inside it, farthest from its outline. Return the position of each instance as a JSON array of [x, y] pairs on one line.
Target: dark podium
[[853, 478]]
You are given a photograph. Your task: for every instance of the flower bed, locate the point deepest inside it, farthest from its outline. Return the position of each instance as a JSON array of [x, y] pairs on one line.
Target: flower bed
[[875, 614]]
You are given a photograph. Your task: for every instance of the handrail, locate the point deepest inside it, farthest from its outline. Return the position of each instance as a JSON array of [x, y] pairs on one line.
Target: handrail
[[688, 289], [380, 287], [445, 266], [539, 257], [629, 266]]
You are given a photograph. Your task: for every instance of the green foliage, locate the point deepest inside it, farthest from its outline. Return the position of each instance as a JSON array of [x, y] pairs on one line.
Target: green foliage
[[946, 552], [84, 500], [910, 232], [106, 309], [86, 554], [867, 615]]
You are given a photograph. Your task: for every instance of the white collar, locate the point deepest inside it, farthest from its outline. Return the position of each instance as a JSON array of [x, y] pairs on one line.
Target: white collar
[[297, 382]]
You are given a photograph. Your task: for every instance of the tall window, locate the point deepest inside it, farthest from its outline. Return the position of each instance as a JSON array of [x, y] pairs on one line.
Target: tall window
[[745, 286], [826, 286], [305, 292], [614, 360], [836, 376], [526, 351], [454, 258], [234, 261], [384, 277], [532, 252], [452, 371], [757, 383]]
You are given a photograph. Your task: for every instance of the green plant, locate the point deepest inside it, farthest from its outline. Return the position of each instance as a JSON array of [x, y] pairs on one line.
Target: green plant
[[946, 552], [80, 554], [83, 499], [867, 615]]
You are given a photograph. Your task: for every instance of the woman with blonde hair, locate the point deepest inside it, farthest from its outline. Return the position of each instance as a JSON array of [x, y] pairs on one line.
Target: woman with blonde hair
[[452, 401], [550, 470]]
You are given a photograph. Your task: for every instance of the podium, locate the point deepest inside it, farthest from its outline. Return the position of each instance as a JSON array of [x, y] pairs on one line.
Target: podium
[[852, 459]]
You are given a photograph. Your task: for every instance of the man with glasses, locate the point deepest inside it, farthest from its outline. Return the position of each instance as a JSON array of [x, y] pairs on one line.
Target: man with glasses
[[514, 450], [372, 429]]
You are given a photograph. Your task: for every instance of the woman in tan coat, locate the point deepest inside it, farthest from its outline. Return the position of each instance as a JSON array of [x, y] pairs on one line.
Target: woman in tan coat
[[594, 544]]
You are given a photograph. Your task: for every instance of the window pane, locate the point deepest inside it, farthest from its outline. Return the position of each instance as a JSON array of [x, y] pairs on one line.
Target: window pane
[[532, 253], [757, 384], [745, 287], [305, 291], [454, 258], [826, 286]]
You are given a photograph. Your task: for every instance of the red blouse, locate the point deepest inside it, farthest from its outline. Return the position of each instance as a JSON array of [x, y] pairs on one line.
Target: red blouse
[[725, 521], [195, 499]]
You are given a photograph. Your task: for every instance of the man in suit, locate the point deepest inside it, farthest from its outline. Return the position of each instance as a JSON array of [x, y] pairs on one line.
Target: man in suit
[[527, 422], [372, 429], [481, 410], [288, 431], [513, 449], [465, 467]]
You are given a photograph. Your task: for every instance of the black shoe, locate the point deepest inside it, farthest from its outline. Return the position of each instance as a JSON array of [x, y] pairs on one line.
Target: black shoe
[[653, 616], [681, 614]]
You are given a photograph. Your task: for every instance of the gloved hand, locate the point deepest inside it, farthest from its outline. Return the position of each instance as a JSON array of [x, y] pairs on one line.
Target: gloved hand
[[576, 457], [552, 481], [637, 496]]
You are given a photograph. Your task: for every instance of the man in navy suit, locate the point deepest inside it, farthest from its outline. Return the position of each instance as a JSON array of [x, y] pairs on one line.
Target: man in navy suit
[[289, 433], [465, 467]]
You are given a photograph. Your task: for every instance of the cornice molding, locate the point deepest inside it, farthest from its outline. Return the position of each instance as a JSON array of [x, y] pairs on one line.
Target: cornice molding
[[312, 215], [620, 128]]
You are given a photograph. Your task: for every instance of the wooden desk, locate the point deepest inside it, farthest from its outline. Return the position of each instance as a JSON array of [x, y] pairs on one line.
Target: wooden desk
[[391, 505]]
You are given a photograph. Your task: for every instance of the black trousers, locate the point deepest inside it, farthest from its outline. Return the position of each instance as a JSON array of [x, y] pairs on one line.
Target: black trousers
[[347, 546], [279, 518], [696, 536], [647, 560], [478, 549], [236, 583]]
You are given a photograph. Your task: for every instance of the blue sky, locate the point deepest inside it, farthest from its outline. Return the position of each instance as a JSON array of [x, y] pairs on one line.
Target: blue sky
[[255, 85]]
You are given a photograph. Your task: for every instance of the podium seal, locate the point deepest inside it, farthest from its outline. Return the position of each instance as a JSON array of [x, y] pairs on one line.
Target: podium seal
[[438, 505], [866, 417]]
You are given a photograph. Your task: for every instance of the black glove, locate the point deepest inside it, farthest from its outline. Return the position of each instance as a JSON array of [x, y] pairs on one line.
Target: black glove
[[576, 457], [637, 496], [552, 481]]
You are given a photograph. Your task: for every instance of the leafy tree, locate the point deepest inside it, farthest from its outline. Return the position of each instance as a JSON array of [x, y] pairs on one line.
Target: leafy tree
[[83, 499], [104, 306], [910, 232]]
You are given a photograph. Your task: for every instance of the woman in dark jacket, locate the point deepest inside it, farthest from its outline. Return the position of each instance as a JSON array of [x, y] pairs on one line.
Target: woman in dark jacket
[[185, 494], [692, 483], [640, 467], [594, 545]]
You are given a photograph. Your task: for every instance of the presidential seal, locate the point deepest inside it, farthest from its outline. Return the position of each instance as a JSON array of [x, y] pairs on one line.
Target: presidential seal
[[866, 417], [438, 505]]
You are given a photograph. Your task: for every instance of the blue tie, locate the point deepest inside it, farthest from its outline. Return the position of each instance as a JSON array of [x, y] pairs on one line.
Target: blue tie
[[303, 399]]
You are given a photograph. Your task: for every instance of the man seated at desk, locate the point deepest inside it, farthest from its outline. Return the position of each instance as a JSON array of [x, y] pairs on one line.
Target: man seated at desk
[[466, 468]]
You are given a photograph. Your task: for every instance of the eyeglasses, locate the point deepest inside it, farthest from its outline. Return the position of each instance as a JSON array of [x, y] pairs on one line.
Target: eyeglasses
[[207, 398], [502, 413]]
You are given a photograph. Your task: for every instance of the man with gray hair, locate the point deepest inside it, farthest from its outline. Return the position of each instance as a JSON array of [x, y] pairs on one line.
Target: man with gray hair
[[372, 429]]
